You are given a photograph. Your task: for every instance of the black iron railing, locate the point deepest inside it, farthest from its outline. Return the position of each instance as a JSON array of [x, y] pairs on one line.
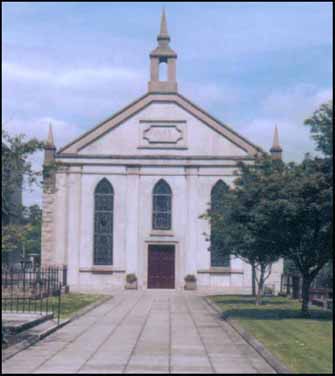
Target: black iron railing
[[31, 289], [32, 280], [42, 304]]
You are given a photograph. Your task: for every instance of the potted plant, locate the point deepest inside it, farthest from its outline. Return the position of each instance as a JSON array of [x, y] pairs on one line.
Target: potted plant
[[190, 282], [131, 281]]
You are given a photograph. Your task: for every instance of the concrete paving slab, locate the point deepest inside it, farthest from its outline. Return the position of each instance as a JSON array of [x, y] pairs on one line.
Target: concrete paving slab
[[150, 331]]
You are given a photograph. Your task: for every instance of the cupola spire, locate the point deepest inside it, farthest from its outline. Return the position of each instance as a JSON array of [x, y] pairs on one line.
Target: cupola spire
[[276, 150], [50, 140], [163, 53], [163, 34], [49, 148]]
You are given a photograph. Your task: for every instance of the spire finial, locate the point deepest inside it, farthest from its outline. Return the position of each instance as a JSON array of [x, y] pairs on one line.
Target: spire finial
[[276, 144], [49, 148], [163, 30], [50, 141], [276, 149], [163, 33]]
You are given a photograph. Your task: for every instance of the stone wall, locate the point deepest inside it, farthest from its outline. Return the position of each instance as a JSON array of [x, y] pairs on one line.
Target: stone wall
[[48, 207]]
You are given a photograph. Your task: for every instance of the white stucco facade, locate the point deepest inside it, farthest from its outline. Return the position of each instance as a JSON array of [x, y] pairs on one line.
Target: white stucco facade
[[162, 135]]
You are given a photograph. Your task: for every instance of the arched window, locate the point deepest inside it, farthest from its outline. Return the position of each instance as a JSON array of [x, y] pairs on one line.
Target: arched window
[[162, 206], [163, 71], [103, 223], [219, 255]]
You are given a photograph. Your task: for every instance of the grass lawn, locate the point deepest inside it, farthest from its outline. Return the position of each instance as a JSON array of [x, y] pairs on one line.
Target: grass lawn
[[305, 345], [73, 302], [70, 304]]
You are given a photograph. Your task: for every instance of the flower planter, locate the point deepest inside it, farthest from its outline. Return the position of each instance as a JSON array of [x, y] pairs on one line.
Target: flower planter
[[190, 282], [131, 286], [131, 282], [190, 286]]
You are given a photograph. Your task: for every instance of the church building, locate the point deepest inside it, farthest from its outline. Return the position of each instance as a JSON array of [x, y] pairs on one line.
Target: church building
[[126, 196]]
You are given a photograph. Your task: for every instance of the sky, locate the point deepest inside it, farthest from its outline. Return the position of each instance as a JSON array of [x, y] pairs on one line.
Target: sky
[[250, 64]]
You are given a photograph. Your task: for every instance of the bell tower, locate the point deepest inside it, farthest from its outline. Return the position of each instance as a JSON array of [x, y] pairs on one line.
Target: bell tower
[[163, 54]]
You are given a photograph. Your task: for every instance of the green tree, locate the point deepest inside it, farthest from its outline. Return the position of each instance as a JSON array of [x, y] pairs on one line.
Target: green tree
[[321, 126], [17, 173], [324, 279], [11, 237], [304, 209], [245, 226], [16, 169], [24, 237], [278, 210], [32, 219]]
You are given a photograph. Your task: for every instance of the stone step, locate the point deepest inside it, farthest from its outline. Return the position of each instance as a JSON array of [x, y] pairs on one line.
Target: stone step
[[15, 323], [30, 336]]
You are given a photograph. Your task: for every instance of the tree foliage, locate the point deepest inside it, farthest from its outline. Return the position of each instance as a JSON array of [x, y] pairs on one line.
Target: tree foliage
[[242, 216], [324, 279], [11, 237], [18, 230], [321, 126], [304, 209], [24, 237], [32, 219], [277, 210], [16, 170]]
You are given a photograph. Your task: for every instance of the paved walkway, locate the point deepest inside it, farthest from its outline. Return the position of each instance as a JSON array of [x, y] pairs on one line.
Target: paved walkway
[[155, 331]]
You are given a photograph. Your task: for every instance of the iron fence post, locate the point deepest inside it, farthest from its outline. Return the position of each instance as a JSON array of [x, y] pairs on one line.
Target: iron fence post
[[64, 279], [59, 301]]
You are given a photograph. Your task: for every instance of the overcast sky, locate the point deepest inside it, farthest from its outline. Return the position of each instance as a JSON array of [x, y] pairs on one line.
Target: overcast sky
[[252, 65]]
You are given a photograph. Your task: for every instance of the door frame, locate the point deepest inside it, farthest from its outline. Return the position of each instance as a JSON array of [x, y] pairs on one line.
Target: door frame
[[168, 253], [177, 261]]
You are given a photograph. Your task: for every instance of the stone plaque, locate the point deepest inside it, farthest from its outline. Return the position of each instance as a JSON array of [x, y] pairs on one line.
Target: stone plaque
[[161, 136]]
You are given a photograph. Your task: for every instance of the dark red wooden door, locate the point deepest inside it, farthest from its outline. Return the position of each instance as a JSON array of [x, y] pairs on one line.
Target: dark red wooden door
[[161, 267]]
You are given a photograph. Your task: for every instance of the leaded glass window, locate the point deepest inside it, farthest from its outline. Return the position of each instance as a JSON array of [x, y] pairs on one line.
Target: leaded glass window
[[162, 206], [219, 255], [103, 223]]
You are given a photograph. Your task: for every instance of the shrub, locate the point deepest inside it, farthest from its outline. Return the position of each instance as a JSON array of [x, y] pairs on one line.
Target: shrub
[[190, 278], [130, 278]]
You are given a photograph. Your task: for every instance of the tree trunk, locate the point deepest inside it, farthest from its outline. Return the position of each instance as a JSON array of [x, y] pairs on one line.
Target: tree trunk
[[253, 276], [260, 286], [306, 283]]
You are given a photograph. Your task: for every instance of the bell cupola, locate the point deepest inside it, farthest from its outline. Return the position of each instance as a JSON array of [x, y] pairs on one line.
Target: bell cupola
[[163, 54]]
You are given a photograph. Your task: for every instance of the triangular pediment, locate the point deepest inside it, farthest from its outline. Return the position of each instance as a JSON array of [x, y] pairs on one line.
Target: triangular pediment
[[165, 122]]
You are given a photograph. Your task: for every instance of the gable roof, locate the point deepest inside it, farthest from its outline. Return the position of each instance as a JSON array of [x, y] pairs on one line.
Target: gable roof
[[139, 104]]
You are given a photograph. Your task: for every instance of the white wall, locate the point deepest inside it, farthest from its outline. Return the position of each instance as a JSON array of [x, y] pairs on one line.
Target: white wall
[[133, 180], [133, 228]]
